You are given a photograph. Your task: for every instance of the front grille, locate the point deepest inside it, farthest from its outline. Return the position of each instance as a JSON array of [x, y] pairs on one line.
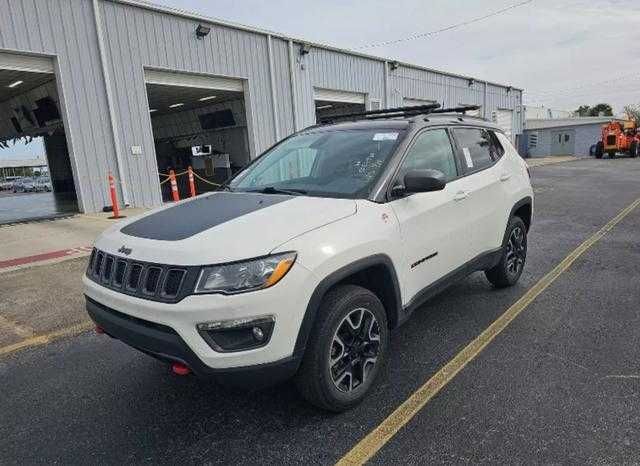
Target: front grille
[[611, 140], [157, 282]]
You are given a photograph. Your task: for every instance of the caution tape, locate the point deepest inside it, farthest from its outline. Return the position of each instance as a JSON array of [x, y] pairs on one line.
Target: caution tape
[[205, 180]]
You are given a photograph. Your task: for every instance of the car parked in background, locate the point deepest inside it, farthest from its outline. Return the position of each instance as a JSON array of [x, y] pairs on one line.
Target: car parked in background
[[308, 258]]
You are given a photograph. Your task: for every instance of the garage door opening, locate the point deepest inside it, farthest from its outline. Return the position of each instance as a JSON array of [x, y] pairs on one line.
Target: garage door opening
[[330, 103], [200, 122], [36, 179]]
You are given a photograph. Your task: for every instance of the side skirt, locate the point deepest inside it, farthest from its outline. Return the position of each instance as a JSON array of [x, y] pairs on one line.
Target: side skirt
[[484, 261]]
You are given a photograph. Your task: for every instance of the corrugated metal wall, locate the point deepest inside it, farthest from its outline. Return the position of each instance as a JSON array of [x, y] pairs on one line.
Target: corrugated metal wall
[[136, 38], [65, 29]]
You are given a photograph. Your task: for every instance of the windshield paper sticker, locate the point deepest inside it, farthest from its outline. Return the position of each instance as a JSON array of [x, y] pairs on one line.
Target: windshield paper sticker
[[385, 136], [467, 157]]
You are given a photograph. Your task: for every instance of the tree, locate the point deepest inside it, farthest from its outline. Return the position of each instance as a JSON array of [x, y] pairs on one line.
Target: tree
[[596, 110], [601, 109], [633, 112], [582, 111]]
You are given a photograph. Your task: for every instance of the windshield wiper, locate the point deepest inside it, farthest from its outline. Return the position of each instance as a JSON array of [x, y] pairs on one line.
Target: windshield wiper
[[274, 190]]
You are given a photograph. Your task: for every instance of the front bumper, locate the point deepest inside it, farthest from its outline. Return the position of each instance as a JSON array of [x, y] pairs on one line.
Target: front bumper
[[286, 302], [164, 343]]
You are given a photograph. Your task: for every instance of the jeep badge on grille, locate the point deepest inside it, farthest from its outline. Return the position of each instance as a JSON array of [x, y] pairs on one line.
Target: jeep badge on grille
[[124, 250]]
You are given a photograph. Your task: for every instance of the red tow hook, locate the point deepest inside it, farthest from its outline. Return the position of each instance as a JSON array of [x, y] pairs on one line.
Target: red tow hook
[[99, 330], [180, 369]]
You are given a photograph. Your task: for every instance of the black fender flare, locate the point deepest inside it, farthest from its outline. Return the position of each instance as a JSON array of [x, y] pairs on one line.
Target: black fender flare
[[336, 277], [522, 202]]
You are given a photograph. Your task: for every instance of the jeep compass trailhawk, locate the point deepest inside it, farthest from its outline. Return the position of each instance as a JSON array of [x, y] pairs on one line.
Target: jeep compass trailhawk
[[302, 264]]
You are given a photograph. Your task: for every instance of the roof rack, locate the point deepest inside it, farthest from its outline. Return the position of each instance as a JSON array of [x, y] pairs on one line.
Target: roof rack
[[398, 112]]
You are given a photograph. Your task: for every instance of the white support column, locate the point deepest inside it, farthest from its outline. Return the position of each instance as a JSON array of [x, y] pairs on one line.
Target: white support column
[[292, 80], [112, 117], [274, 97]]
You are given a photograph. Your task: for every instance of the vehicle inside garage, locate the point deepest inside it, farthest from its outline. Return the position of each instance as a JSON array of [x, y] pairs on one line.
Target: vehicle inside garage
[[36, 179], [200, 123]]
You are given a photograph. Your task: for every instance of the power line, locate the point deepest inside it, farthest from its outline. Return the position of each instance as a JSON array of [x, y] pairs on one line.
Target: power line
[[444, 29], [586, 85]]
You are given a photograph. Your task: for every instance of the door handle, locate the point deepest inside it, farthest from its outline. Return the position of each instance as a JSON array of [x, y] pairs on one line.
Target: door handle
[[460, 195], [505, 176]]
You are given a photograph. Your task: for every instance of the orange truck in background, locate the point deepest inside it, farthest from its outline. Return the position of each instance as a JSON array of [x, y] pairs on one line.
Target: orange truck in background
[[619, 137]]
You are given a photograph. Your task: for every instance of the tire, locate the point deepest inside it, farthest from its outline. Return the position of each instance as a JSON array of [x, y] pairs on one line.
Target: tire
[[633, 149], [507, 272], [599, 150], [612, 155], [346, 311]]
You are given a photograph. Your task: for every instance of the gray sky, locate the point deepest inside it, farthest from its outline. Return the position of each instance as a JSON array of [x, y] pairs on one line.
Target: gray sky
[[563, 53]]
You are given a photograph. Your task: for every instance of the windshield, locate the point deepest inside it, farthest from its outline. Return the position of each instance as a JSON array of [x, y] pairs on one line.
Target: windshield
[[334, 163]]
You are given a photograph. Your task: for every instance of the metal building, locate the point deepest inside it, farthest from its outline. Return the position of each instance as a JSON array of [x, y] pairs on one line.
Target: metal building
[[134, 88], [562, 136]]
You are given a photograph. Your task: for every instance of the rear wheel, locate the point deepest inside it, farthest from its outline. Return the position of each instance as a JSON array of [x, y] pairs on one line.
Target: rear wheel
[[514, 254], [346, 349], [633, 149], [612, 155], [599, 150]]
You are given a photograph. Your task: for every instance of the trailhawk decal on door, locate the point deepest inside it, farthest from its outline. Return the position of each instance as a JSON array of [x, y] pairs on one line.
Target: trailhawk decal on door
[[424, 259]]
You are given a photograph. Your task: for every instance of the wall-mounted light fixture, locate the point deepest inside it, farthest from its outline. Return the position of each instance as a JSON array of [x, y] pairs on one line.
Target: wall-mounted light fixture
[[509, 89], [305, 49], [471, 82], [394, 65], [202, 31]]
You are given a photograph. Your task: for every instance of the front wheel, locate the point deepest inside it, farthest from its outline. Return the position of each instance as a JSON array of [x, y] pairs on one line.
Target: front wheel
[[346, 349], [514, 254], [599, 149], [634, 149]]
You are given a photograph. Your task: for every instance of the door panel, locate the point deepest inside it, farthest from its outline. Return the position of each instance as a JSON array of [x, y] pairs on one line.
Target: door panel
[[485, 177], [433, 225]]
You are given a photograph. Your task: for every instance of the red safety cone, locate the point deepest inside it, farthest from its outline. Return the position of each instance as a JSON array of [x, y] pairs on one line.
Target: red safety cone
[[174, 186], [114, 198], [192, 184]]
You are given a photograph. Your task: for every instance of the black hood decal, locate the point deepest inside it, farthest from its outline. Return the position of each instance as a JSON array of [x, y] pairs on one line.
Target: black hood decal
[[188, 219]]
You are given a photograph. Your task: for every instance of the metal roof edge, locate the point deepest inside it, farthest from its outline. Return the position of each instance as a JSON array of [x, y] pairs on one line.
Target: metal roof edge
[[200, 17]]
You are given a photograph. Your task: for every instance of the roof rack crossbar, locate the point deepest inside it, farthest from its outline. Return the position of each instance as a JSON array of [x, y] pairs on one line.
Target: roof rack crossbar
[[399, 112], [383, 113], [460, 109]]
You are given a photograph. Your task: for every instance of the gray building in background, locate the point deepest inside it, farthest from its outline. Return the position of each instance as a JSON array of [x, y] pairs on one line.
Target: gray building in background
[[561, 136], [136, 89]]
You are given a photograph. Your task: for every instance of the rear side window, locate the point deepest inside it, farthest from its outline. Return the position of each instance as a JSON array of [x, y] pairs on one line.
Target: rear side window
[[431, 150], [479, 147]]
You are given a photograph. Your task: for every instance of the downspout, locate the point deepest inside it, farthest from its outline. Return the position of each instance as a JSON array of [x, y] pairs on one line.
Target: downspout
[[386, 84], [112, 117], [274, 99], [292, 81], [484, 101]]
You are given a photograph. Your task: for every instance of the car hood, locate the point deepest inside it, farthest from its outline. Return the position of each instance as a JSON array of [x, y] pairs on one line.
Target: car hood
[[221, 227]]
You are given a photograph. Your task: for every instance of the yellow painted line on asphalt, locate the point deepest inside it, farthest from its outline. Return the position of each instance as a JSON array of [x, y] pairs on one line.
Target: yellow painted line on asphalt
[[43, 339], [378, 437]]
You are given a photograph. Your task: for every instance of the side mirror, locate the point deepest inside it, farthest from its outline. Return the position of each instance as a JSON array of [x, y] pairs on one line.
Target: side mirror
[[422, 181]]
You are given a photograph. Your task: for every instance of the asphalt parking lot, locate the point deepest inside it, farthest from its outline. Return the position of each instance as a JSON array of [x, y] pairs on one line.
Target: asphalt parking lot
[[561, 384], [18, 206]]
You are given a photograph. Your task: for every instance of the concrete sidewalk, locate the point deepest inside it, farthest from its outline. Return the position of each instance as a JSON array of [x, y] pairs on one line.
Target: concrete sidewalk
[[540, 161], [50, 241]]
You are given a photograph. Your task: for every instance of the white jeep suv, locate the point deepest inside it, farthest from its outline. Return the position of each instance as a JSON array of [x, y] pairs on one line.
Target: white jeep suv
[[307, 259]]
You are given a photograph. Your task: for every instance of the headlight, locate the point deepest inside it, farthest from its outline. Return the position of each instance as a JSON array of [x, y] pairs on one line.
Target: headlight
[[248, 275]]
